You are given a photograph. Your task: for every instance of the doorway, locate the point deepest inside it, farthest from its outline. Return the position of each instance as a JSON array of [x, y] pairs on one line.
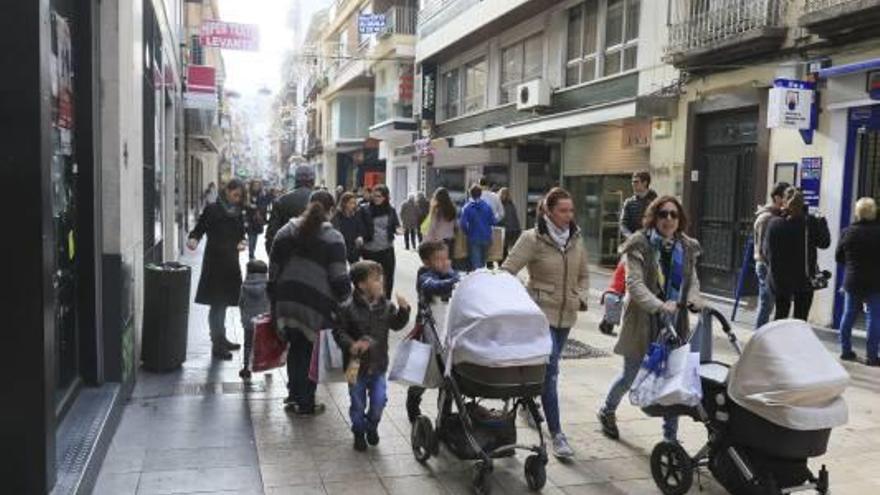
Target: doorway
[[725, 162]]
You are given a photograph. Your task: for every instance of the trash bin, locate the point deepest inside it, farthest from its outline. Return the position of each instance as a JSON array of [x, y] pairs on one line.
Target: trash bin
[[166, 316]]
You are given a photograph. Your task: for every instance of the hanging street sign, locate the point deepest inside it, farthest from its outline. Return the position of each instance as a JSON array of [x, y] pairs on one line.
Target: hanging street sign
[[371, 23], [230, 36]]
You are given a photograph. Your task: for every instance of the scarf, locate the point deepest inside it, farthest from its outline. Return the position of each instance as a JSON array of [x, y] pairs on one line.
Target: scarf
[[380, 210], [671, 281], [559, 236], [232, 211]]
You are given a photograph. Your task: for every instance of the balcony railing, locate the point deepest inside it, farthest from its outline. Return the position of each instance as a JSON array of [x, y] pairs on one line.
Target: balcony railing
[[817, 5], [433, 7], [400, 20], [701, 24]]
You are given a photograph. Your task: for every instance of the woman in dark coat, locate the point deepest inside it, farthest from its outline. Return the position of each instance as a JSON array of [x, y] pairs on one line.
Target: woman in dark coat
[[382, 225], [219, 285], [349, 221], [256, 213], [789, 246], [510, 222]]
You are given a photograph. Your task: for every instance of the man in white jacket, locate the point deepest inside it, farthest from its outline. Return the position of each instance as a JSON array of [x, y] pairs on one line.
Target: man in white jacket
[[493, 199]]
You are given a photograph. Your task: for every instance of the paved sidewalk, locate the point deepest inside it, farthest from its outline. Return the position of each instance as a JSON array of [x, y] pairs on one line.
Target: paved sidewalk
[[199, 430]]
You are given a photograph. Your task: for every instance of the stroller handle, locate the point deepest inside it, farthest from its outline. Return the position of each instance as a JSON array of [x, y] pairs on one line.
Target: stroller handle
[[725, 324]]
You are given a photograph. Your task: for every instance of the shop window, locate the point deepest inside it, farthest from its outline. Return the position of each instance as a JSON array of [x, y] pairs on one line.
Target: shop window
[[614, 28], [520, 62], [451, 94]]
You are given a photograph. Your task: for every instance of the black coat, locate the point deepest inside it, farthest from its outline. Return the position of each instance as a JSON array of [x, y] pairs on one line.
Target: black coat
[[351, 228], [356, 320], [285, 208], [220, 282], [858, 250], [792, 261]]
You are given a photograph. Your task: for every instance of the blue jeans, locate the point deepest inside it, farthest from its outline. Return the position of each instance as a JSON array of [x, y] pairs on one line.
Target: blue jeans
[[364, 419], [477, 253], [550, 397], [252, 244], [217, 323], [621, 386], [299, 358], [851, 306], [766, 299]]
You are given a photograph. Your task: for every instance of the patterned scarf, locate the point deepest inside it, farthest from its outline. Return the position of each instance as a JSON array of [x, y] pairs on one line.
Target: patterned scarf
[[671, 282], [559, 236]]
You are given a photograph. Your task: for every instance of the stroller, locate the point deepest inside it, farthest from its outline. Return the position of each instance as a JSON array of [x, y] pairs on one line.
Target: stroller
[[765, 416], [495, 346]]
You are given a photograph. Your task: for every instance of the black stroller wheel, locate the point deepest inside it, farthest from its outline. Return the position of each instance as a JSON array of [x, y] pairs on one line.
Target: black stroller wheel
[[536, 472], [672, 468], [423, 439], [481, 478]]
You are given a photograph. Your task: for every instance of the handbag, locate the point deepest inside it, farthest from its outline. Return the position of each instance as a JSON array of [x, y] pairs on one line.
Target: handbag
[[496, 249], [326, 356], [818, 278], [672, 380], [269, 350]]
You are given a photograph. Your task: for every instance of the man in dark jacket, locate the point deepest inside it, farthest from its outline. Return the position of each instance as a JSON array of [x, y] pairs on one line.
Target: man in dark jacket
[[634, 207], [292, 204]]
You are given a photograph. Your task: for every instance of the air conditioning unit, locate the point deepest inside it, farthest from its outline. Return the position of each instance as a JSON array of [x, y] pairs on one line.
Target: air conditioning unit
[[533, 94]]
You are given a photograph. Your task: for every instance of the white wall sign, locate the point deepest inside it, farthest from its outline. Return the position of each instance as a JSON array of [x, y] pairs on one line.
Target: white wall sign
[[789, 108]]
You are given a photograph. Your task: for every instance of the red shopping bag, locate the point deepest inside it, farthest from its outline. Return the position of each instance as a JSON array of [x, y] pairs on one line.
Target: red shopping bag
[[269, 351]]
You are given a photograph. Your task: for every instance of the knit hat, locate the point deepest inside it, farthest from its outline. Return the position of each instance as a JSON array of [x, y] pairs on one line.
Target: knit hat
[[304, 174]]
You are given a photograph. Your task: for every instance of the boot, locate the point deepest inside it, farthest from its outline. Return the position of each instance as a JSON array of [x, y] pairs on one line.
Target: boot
[[221, 352]]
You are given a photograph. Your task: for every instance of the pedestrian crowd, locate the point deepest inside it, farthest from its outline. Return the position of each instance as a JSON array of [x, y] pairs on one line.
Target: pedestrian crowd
[[332, 264]]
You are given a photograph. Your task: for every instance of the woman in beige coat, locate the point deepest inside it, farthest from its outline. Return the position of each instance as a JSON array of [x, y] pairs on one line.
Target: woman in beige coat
[[556, 259], [661, 278]]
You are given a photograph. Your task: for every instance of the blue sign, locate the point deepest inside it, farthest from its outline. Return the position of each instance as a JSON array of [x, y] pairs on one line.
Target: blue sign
[[371, 23], [811, 181]]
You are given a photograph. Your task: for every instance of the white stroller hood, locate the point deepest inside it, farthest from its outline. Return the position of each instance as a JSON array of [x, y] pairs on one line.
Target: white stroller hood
[[786, 376], [493, 322]]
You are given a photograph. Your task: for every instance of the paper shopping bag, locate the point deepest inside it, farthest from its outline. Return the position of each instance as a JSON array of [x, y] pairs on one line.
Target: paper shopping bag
[[411, 365], [331, 351], [320, 365], [496, 249], [460, 245], [269, 350]]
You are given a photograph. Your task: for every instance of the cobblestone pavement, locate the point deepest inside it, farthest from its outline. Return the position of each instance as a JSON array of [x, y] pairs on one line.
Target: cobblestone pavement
[[200, 430]]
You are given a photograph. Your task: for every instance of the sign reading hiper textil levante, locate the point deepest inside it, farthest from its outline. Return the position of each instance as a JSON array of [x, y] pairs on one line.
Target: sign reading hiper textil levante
[[371, 23], [230, 36]]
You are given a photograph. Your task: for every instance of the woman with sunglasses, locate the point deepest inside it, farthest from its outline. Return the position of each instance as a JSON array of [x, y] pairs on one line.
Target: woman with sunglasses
[[661, 279]]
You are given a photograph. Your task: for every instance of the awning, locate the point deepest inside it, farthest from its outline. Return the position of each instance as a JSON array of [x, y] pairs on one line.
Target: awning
[[854, 68], [202, 144]]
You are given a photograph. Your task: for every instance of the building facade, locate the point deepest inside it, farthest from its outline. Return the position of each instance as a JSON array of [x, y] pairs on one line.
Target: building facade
[[91, 109], [532, 94], [731, 153]]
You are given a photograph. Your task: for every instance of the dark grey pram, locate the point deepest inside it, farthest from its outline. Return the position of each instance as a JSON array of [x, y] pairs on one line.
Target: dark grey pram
[[473, 432], [746, 453]]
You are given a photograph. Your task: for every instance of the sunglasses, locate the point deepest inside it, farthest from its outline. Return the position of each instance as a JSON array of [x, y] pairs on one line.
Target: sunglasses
[[670, 214]]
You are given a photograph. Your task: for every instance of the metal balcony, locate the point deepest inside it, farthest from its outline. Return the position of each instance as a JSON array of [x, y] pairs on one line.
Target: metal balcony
[[841, 20], [400, 20], [705, 31]]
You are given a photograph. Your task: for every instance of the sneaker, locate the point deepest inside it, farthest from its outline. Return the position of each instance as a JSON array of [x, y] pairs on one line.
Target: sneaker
[[232, 346], [373, 437], [221, 353], [873, 362], [606, 328], [561, 449], [609, 424], [290, 400], [848, 356], [360, 443]]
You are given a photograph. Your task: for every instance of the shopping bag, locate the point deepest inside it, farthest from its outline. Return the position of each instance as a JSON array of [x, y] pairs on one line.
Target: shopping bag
[[674, 381], [460, 245], [269, 350], [331, 351], [425, 226], [496, 249], [412, 365], [320, 365], [613, 303]]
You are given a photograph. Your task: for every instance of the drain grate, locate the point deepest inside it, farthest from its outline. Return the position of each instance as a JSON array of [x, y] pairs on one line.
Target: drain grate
[[575, 349]]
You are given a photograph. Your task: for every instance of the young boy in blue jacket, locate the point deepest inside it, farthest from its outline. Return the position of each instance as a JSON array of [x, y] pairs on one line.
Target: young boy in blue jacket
[[435, 280]]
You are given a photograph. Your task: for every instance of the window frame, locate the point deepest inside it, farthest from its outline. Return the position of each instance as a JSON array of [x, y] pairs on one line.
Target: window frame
[[599, 57], [460, 66], [482, 59], [521, 43]]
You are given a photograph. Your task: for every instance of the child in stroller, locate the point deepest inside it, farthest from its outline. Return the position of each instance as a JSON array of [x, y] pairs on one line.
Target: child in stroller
[[496, 347], [612, 299], [765, 416]]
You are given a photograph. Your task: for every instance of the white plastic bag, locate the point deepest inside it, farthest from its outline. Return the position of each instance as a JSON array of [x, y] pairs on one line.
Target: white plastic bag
[[331, 350], [414, 364], [677, 384]]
